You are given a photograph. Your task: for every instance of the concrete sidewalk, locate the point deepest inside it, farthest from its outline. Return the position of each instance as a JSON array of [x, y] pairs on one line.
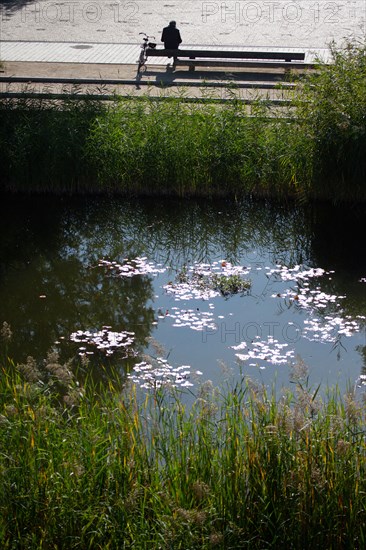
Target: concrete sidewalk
[[260, 23], [122, 54]]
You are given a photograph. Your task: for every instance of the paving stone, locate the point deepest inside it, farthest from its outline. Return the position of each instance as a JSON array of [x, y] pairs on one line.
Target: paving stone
[[267, 23]]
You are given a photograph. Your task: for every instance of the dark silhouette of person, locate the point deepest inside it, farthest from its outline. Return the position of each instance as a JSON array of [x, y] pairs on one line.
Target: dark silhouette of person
[[171, 37]]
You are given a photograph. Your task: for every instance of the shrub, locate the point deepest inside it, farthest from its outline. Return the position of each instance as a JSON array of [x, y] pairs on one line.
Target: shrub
[[333, 108]]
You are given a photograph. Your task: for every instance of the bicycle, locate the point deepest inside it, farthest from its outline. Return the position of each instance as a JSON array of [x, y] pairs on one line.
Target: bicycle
[[143, 57]]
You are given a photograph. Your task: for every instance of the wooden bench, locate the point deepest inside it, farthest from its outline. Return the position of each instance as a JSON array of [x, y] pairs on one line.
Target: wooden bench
[[225, 58]]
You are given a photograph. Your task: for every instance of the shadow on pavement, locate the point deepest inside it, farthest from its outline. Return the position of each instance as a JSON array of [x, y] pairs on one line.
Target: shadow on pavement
[[232, 77]]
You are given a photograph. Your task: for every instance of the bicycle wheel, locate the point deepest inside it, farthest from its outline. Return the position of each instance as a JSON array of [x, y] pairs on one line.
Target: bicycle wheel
[[142, 68], [141, 62]]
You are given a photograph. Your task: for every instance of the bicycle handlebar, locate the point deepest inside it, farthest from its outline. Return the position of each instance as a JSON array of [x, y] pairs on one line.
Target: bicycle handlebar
[[147, 36]]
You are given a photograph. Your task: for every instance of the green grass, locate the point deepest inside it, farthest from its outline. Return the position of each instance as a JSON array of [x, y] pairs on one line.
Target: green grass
[[140, 146], [85, 467]]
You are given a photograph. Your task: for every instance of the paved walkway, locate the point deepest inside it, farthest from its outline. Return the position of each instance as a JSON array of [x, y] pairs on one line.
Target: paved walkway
[[126, 54], [249, 23]]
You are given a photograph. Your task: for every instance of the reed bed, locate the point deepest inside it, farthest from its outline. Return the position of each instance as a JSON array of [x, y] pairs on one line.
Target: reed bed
[[315, 149], [87, 467], [144, 146]]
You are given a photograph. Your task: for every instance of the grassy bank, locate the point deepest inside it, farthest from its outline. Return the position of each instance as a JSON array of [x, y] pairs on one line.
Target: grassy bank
[[317, 150], [85, 468]]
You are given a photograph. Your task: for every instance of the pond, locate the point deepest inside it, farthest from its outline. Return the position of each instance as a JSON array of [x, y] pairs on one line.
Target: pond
[[144, 284]]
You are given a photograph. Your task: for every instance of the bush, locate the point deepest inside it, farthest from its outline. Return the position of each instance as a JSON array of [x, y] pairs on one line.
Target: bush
[[333, 108]]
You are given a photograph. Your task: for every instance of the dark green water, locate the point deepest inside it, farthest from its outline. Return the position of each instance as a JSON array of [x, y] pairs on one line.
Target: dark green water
[[52, 286]]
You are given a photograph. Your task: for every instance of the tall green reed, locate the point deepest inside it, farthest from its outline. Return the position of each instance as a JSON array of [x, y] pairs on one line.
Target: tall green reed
[[238, 467], [174, 147], [147, 146]]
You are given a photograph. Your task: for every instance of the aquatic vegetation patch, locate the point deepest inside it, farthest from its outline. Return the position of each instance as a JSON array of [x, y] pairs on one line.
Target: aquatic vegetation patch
[[104, 340], [190, 291], [205, 281], [361, 381], [228, 285]]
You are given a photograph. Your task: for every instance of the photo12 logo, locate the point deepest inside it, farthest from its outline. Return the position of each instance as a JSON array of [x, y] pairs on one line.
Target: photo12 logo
[[277, 12], [79, 12], [237, 332]]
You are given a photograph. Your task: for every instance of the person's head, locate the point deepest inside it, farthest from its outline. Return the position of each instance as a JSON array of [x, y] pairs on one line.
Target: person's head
[[172, 24]]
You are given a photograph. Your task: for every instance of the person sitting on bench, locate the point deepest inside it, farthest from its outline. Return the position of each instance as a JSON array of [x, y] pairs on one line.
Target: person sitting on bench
[[171, 37]]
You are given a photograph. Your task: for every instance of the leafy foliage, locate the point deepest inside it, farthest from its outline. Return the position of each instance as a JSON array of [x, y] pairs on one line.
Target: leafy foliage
[[333, 107]]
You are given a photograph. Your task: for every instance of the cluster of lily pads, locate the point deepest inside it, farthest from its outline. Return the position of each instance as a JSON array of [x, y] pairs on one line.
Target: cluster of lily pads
[[329, 328], [260, 352], [158, 373], [130, 268], [194, 319], [104, 340], [297, 272], [310, 298]]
